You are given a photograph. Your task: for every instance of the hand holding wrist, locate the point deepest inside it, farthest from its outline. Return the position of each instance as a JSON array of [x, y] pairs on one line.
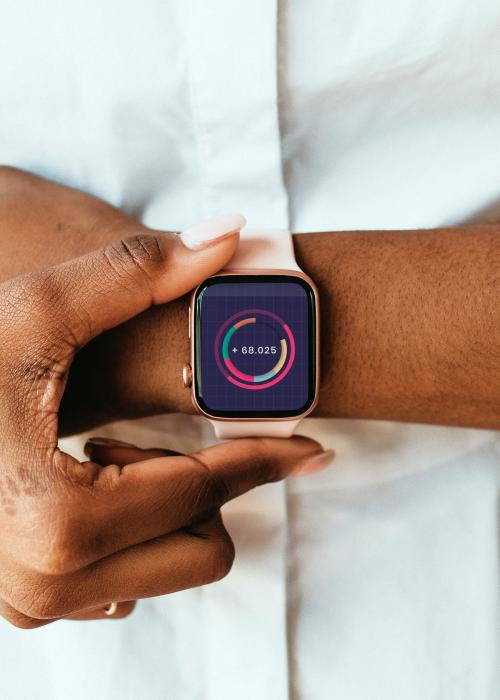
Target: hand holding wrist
[[135, 369]]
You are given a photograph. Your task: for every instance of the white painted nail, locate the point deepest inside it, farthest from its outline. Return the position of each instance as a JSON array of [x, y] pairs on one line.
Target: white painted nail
[[313, 464], [206, 232]]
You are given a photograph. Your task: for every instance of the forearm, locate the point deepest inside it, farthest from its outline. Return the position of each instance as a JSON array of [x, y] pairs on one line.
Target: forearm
[[410, 320], [410, 324], [410, 331]]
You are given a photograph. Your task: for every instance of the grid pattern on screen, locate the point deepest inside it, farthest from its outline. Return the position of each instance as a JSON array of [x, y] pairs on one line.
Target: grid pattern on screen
[[289, 301]]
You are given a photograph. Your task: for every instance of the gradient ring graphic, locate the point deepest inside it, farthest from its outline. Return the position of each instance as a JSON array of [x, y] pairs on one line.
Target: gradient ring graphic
[[254, 381]]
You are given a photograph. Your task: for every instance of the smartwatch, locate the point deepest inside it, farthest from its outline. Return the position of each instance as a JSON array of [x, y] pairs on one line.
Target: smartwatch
[[254, 334]]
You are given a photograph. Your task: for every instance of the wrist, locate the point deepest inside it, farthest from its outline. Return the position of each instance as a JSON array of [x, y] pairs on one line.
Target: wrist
[[131, 371]]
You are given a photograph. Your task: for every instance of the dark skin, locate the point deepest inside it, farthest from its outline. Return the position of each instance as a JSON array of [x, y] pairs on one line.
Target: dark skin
[[125, 524], [410, 320], [410, 331]]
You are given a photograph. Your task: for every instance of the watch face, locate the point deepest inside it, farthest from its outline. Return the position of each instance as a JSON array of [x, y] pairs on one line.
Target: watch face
[[255, 354]]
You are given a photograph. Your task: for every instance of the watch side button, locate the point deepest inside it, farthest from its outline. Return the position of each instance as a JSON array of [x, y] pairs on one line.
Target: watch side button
[[187, 375], [189, 322]]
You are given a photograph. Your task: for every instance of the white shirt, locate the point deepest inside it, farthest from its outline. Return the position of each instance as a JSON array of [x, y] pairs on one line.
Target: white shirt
[[377, 579]]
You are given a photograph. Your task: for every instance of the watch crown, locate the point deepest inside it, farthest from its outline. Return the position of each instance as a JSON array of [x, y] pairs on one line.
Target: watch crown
[[187, 375]]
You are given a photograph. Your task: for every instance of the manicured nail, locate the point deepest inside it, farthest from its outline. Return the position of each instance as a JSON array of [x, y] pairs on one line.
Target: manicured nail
[[108, 442], [313, 464], [206, 232]]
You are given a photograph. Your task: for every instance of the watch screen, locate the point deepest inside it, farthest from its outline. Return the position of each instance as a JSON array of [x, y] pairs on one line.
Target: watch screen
[[255, 346]]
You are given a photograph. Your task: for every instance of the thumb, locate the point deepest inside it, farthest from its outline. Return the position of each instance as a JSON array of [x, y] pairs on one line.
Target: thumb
[[98, 291]]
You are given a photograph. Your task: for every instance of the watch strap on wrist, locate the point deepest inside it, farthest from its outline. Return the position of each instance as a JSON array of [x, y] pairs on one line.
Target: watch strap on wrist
[[228, 429], [264, 249], [260, 249]]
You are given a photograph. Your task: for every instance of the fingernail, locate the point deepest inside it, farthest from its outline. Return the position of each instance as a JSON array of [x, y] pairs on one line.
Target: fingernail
[[313, 464], [206, 232], [108, 442]]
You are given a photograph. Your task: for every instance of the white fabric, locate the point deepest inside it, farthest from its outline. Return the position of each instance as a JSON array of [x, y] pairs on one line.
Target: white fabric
[[264, 249], [375, 580]]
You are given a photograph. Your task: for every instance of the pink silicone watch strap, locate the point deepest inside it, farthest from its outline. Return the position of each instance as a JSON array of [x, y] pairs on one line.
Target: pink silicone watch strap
[[228, 429], [260, 249], [264, 249]]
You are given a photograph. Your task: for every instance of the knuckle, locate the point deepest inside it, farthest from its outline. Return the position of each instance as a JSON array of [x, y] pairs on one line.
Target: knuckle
[[35, 596], [212, 488], [262, 461], [44, 601], [216, 490], [24, 622], [136, 257]]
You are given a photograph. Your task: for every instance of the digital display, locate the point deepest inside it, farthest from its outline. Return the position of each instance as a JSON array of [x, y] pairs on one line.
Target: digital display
[[255, 346]]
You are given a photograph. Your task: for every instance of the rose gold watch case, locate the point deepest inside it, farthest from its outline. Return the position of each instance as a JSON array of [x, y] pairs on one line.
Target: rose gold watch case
[[232, 273]]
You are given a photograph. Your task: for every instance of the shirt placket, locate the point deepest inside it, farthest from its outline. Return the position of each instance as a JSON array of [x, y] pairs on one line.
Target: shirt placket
[[233, 79], [233, 75]]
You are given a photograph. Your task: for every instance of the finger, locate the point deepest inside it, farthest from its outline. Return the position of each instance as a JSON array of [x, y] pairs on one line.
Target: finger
[[103, 612], [174, 562], [105, 451], [79, 299], [129, 505], [19, 619]]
